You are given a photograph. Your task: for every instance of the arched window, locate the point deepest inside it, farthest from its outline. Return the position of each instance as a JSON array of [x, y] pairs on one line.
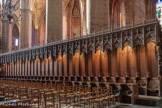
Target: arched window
[[15, 37], [159, 11]]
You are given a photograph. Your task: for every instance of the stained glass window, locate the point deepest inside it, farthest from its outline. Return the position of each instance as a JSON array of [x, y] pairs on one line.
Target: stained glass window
[[159, 11]]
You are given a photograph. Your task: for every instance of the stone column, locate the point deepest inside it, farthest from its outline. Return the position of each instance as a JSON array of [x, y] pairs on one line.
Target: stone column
[[53, 20], [10, 28], [26, 24], [5, 26], [99, 12]]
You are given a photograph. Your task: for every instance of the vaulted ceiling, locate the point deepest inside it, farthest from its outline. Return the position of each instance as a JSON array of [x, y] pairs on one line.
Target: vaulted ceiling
[[39, 10]]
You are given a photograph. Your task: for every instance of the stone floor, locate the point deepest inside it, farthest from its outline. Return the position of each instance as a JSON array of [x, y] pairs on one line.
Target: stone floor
[[115, 106]]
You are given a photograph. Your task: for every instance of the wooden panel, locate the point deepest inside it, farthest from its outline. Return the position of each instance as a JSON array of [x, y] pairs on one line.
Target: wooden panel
[[71, 65], [6, 69], [26, 68], [96, 63], [152, 59], [55, 67], [32, 70], [59, 65], [23, 68], [46, 67], [18, 68], [65, 64], [42, 68], [9, 69], [114, 64], [82, 64], [132, 63], [50, 68], [15, 70], [118, 73], [109, 63], [143, 62], [90, 70], [29, 69], [39, 67], [35, 68], [138, 61], [76, 64], [123, 62], [104, 63]]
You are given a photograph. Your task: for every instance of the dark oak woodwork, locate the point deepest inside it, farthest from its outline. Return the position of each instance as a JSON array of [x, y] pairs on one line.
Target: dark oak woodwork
[[130, 55]]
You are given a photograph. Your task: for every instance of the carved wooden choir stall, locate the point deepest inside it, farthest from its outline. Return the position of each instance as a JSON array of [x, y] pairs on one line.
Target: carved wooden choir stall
[[126, 59]]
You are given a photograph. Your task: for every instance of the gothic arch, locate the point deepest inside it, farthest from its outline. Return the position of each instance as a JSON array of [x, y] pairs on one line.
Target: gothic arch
[[73, 18], [15, 37], [115, 13]]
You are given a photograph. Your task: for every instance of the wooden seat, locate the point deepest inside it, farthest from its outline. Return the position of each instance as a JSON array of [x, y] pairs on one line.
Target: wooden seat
[[35, 97], [86, 96], [98, 97], [23, 93], [49, 99], [114, 96]]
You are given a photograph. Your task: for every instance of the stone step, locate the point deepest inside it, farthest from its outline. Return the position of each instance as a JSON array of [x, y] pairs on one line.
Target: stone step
[[154, 101]]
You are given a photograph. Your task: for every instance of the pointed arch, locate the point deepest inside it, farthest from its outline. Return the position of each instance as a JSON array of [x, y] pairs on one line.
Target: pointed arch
[[15, 37], [73, 18]]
